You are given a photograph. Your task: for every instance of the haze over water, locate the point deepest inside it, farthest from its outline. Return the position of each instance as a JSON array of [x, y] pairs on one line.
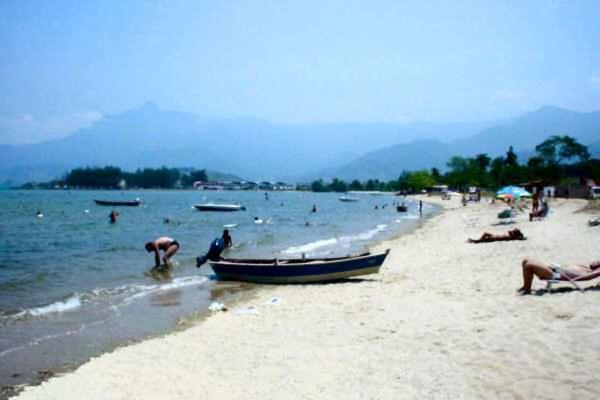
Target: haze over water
[[71, 280]]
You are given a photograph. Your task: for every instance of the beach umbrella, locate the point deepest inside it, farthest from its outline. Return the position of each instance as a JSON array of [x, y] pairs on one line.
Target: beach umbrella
[[510, 192]]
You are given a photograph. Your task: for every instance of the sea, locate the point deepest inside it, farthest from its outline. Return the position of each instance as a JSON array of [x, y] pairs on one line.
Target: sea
[[73, 285]]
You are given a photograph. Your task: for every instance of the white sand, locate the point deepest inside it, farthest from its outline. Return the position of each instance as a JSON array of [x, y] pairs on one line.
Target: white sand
[[442, 321]]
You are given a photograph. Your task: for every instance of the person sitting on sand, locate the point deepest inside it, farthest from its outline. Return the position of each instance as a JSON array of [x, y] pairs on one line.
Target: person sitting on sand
[[541, 213], [166, 244], [545, 272], [513, 234]]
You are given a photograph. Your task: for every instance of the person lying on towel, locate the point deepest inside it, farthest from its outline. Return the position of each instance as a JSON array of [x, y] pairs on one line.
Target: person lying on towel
[[545, 272], [513, 234]]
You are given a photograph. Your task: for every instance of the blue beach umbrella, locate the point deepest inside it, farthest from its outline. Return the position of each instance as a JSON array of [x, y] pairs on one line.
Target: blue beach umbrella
[[509, 192]]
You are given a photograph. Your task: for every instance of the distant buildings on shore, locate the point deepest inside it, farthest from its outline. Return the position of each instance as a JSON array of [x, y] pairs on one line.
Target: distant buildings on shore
[[242, 185]]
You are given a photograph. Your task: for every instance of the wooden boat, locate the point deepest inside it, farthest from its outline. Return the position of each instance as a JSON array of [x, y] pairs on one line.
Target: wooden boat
[[134, 203], [401, 208], [297, 270], [348, 199], [218, 207]]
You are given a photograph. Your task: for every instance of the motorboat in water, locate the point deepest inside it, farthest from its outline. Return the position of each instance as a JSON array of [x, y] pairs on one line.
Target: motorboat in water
[[218, 207], [347, 199]]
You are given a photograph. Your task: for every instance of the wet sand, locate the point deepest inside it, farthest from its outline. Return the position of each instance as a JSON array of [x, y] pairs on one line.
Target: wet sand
[[441, 321]]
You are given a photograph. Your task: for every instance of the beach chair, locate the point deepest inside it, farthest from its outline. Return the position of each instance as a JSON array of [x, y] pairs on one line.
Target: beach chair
[[563, 279], [507, 216]]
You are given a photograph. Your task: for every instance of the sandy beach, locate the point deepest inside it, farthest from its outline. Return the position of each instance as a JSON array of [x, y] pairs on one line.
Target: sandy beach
[[441, 321]]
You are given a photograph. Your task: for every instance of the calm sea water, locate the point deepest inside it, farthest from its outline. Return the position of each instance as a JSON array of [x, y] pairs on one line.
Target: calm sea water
[[73, 285]]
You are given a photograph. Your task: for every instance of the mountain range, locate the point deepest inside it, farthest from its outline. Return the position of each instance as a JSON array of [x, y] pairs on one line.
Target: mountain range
[[259, 150]]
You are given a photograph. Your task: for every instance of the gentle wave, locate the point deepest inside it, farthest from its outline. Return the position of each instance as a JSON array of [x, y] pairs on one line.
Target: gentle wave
[[176, 283], [128, 292], [345, 241], [72, 303], [310, 246]]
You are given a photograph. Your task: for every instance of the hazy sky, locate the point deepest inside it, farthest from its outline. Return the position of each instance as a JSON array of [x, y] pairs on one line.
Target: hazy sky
[[64, 64]]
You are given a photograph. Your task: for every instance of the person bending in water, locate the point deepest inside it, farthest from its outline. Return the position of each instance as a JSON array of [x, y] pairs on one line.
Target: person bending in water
[[513, 234], [113, 216], [545, 272], [166, 244]]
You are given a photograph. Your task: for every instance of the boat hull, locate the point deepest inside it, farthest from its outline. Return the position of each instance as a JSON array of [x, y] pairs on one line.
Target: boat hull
[[297, 271], [216, 207], [118, 203]]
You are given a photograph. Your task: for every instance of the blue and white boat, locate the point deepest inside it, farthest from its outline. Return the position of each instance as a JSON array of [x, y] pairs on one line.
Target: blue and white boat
[[302, 270], [218, 207]]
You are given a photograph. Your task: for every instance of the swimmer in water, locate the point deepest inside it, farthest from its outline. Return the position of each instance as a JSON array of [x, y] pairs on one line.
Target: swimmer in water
[[314, 208], [113, 216]]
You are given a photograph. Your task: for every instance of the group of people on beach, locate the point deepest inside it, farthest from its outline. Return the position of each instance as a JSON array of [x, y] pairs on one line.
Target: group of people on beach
[[531, 268]]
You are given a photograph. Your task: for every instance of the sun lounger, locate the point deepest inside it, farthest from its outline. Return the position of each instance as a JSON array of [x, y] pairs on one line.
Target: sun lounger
[[507, 216], [563, 279]]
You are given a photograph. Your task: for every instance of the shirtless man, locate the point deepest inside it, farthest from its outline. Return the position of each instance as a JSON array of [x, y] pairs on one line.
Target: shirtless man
[[513, 234], [545, 271], [166, 244]]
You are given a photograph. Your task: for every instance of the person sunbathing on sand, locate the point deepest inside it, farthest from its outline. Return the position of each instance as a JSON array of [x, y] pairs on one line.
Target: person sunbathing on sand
[[545, 272], [513, 234]]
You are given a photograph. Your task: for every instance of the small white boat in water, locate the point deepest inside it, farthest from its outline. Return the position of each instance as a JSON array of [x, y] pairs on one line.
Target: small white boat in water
[[347, 199], [218, 207]]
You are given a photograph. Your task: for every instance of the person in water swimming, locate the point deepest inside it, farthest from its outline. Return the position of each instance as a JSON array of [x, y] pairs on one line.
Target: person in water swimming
[[113, 216], [166, 244]]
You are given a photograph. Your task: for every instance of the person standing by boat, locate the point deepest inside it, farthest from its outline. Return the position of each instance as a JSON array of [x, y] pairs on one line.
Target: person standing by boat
[[166, 244], [227, 238], [216, 248]]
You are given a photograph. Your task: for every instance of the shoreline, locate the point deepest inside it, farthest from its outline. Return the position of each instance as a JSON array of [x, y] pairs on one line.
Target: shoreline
[[441, 320], [232, 294]]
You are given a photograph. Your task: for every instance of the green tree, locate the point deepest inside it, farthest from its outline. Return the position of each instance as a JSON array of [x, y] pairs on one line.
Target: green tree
[[511, 157], [318, 186], [338, 185], [355, 185], [483, 162], [556, 149], [420, 180]]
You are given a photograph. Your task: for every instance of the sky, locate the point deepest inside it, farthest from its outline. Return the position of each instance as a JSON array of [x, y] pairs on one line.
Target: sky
[[65, 64]]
